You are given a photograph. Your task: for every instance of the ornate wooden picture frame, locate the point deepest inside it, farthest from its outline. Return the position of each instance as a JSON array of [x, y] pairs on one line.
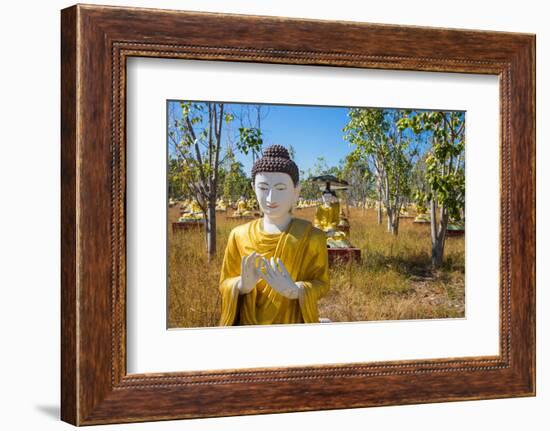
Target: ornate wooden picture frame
[[96, 41]]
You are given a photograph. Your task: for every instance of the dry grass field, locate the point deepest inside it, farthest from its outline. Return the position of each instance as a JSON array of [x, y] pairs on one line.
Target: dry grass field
[[393, 281]]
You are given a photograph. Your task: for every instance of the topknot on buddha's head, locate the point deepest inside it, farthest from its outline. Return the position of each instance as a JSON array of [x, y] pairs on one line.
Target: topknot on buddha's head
[[276, 158], [276, 151]]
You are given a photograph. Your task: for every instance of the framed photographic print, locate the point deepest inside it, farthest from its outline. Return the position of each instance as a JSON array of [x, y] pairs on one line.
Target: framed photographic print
[[329, 214]]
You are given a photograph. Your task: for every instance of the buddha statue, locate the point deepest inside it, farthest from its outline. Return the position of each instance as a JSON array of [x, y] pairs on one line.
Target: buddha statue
[[252, 204], [195, 208], [327, 218], [184, 206], [221, 205], [193, 212], [275, 268], [404, 212], [327, 214], [242, 208]]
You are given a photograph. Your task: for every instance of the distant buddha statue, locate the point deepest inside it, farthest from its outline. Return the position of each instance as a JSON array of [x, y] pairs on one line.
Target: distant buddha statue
[[195, 208], [327, 218], [327, 214], [184, 207], [242, 208], [275, 268], [192, 212], [221, 205], [252, 204]]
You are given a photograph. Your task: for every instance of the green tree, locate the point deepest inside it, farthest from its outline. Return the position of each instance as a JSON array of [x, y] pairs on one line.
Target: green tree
[[195, 133], [361, 180], [444, 170], [175, 184], [377, 138], [420, 186], [250, 131], [235, 183], [292, 152], [308, 190]]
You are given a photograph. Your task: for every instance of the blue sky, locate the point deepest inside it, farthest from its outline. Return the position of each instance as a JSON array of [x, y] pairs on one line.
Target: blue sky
[[313, 131]]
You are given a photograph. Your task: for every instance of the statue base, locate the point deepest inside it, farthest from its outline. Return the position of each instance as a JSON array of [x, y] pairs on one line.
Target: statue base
[[187, 225], [343, 255], [455, 232]]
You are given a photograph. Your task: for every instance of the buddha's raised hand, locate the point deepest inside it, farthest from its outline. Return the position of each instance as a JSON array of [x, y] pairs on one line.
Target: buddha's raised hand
[[278, 278], [250, 274]]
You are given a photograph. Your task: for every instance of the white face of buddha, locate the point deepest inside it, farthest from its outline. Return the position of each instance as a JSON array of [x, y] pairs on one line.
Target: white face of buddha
[[276, 193]]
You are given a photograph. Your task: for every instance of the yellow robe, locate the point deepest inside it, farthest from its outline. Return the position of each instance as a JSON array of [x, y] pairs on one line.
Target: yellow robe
[[327, 217], [302, 248]]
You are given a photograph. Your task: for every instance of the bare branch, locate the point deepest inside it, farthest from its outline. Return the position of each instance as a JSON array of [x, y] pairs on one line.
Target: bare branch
[[197, 149], [219, 140], [190, 162]]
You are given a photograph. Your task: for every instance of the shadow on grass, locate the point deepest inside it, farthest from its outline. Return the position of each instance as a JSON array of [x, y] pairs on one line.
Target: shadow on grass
[[415, 265], [418, 265]]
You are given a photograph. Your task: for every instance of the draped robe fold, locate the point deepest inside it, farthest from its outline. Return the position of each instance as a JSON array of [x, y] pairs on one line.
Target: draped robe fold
[[301, 248]]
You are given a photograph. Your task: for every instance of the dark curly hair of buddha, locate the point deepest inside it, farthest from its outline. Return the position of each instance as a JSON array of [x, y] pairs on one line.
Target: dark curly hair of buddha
[[276, 158]]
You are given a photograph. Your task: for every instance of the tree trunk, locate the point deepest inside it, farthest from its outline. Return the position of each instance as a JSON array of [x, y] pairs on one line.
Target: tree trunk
[[433, 221], [379, 206], [438, 246], [211, 230], [437, 253], [393, 221]]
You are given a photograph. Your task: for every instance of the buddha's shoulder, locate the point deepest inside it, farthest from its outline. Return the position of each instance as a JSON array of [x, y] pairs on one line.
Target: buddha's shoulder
[[315, 233], [318, 235]]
